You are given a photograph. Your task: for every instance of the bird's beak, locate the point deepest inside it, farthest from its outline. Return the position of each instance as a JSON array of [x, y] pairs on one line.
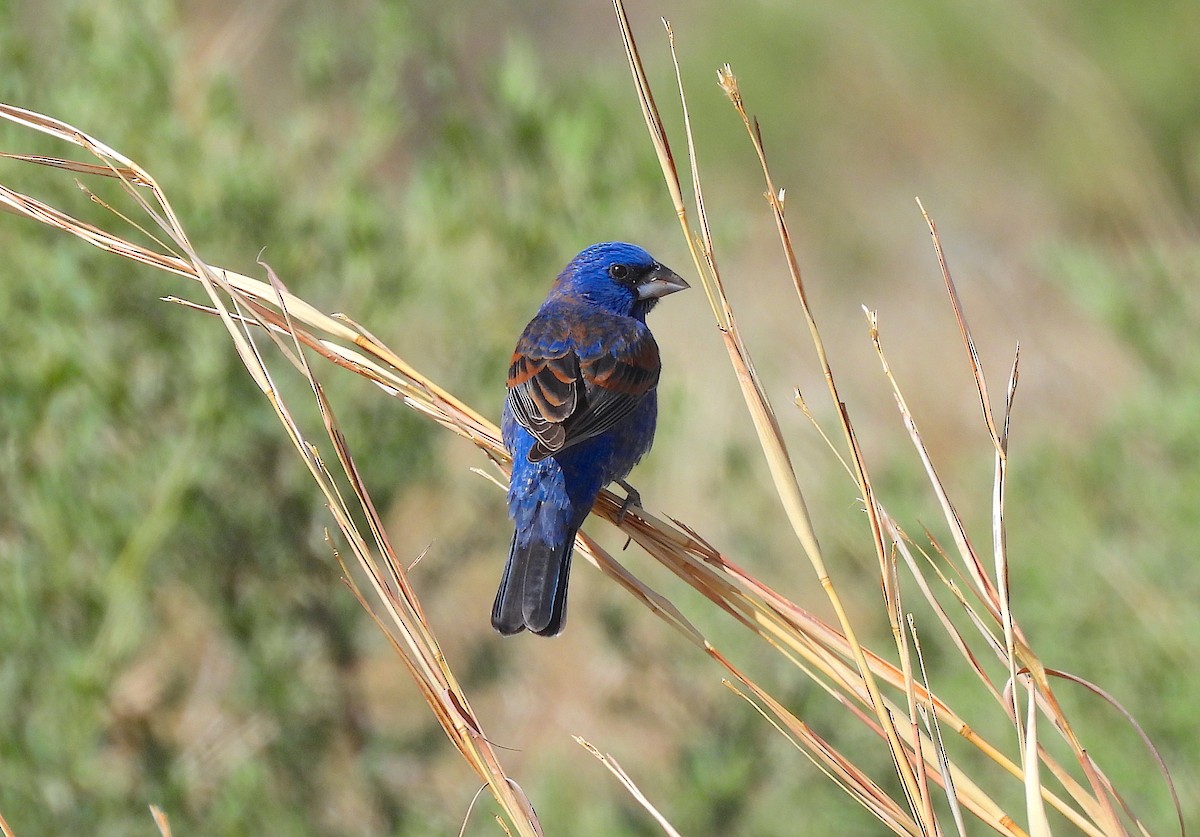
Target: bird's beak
[[659, 282]]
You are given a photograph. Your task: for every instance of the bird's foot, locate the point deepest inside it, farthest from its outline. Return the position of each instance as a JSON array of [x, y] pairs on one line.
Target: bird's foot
[[632, 499]]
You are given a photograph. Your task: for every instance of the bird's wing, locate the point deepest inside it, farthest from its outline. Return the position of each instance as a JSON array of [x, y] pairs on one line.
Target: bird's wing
[[566, 386], [544, 389]]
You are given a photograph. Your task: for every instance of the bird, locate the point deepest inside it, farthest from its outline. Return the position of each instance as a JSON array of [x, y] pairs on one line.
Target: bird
[[580, 412]]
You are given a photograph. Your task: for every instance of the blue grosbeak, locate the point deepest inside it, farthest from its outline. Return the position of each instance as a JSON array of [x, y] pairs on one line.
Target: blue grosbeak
[[580, 413]]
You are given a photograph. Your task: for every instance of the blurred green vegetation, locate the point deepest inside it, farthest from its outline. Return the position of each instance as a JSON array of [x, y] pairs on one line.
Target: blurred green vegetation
[[172, 625]]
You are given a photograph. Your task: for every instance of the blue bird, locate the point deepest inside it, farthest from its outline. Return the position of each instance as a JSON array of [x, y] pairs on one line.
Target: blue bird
[[580, 413]]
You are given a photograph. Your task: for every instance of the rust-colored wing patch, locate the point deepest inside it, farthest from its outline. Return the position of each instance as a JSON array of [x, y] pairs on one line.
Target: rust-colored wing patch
[[568, 383], [544, 393]]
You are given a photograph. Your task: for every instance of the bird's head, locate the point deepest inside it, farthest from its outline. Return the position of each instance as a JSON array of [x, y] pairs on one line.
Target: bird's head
[[618, 277]]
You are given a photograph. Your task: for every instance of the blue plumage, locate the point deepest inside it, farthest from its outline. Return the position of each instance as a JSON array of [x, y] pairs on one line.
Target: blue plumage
[[580, 413]]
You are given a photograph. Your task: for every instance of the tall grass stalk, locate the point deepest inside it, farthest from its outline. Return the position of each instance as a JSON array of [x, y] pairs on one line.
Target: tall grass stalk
[[1021, 661]]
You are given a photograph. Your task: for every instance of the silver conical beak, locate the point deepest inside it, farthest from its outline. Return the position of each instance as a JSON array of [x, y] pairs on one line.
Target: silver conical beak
[[659, 282]]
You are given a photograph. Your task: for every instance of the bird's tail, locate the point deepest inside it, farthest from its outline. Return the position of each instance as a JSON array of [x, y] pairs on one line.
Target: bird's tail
[[533, 591]]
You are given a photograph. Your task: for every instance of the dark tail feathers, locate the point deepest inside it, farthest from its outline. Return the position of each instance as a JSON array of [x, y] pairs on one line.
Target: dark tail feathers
[[533, 591]]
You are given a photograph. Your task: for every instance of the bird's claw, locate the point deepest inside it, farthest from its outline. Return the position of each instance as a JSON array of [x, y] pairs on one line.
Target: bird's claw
[[632, 499]]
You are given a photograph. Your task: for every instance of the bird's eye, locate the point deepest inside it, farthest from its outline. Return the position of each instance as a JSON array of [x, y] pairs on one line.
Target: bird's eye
[[619, 272]]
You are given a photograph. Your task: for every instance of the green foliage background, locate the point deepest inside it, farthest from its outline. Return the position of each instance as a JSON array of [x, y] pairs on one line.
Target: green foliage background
[[172, 629]]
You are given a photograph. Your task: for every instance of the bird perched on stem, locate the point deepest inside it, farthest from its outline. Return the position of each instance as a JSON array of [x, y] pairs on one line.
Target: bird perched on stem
[[580, 413]]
